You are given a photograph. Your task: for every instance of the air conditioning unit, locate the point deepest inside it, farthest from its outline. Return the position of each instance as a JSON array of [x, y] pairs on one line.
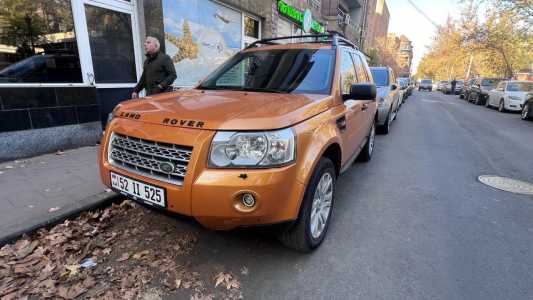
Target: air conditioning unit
[[346, 19]]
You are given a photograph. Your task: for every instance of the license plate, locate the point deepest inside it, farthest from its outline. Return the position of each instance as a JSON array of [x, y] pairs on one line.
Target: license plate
[[138, 190]]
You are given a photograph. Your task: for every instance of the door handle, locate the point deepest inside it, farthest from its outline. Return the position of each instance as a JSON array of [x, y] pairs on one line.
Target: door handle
[[364, 107]]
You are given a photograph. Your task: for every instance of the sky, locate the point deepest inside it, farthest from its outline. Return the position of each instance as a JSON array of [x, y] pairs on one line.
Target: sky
[[406, 20]]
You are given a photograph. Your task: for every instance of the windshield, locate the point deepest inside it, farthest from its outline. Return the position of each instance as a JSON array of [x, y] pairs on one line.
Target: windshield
[[490, 82], [381, 77], [300, 71], [426, 81], [520, 87]]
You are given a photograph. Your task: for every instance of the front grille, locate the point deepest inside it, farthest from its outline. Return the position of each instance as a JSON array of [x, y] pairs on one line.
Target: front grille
[[145, 157]]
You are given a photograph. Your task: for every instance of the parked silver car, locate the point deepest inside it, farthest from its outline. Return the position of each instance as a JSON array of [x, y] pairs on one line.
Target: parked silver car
[[509, 95], [388, 95], [426, 84]]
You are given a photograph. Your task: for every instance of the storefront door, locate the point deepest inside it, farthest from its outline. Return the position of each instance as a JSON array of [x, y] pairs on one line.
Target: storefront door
[[110, 43], [110, 49]]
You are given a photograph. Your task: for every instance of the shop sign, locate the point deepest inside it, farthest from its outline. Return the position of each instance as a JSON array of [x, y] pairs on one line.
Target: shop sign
[[303, 19]]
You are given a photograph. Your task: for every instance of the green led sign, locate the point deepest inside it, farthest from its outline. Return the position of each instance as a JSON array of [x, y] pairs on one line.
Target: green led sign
[[297, 16]]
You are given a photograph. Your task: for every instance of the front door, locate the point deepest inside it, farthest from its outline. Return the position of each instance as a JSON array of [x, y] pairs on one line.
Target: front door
[[354, 115]]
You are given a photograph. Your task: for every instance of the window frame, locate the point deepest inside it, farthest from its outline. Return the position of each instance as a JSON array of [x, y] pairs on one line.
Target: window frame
[[82, 41], [349, 52]]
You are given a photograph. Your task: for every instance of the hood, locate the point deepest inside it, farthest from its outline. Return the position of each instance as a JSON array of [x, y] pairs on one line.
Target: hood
[[224, 110]]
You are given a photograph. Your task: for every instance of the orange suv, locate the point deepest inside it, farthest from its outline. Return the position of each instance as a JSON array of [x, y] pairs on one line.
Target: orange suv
[[260, 141]]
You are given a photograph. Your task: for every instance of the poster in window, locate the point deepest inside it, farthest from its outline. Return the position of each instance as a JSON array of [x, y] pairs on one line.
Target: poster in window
[[199, 36]]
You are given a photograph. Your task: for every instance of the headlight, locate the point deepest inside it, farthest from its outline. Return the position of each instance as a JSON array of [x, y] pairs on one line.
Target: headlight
[[515, 98], [252, 149]]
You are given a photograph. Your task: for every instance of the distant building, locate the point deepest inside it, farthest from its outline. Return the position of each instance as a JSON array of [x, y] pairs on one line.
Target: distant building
[[377, 23], [402, 49]]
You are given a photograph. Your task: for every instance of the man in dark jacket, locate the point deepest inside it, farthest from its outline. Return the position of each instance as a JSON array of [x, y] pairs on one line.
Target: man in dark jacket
[[454, 83], [158, 70]]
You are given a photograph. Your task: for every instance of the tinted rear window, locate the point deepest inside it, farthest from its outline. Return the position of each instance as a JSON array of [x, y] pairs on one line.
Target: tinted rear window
[[520, 87], [381, 76], [426, 81], [490, 82]]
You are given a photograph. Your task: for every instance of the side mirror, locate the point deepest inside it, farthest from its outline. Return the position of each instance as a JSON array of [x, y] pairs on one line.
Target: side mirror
[[393, 87], [362, 91]]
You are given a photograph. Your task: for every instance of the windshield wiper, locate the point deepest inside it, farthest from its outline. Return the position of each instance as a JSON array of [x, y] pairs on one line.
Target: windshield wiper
[[242, 88], [249, 89]]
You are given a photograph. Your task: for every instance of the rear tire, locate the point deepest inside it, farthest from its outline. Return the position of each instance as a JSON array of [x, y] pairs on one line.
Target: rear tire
[[385, 128], [487, 103], [501, 107], [299, 235], [368, 149]]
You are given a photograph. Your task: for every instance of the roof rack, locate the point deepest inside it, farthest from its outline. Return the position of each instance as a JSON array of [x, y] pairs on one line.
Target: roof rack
[[333, 37]]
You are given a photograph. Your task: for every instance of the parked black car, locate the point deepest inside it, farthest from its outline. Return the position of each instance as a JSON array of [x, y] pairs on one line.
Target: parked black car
[[479, 91], [527, 110], [465, 91]]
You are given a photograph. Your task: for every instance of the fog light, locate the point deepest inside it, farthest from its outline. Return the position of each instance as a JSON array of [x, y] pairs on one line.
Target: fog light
[[248, 200]]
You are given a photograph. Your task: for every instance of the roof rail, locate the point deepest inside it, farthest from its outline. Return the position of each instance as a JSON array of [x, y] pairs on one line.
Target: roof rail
[[333, 37]]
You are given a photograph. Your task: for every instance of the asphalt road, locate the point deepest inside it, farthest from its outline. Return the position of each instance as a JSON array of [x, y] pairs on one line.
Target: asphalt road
[[414, 222]]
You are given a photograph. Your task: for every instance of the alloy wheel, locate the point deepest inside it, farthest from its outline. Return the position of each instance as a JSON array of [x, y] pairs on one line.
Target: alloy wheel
[[321, 208], [501, 108], [525, 112]]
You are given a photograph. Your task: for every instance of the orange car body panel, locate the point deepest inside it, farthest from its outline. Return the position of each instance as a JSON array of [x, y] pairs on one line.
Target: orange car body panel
[[192, 117]]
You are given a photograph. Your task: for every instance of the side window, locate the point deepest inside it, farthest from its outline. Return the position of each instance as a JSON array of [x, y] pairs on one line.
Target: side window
[[360, 69], [348, 76]]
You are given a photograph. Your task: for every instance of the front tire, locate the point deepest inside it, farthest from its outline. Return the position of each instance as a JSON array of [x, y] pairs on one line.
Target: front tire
[[309, 230], [478, 99], [525, 112]]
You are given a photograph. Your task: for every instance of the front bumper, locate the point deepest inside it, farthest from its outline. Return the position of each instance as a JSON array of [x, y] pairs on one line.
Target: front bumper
[[515, 105], [212, 196]]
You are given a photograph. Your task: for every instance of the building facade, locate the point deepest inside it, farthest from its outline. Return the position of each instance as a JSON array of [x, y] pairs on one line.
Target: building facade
[[402, 49], [65, 64], [377, 23]]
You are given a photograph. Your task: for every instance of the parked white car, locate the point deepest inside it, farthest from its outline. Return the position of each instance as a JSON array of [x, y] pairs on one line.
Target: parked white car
[[509, 95]]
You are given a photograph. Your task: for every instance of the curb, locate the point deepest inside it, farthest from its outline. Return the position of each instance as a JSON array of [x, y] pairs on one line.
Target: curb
[[90, 203]]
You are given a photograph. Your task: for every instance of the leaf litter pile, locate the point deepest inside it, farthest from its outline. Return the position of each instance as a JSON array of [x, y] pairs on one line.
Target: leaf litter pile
[[124, 251]]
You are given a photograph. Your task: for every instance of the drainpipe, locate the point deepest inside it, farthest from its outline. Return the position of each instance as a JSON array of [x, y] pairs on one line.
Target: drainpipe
[[363, 27]]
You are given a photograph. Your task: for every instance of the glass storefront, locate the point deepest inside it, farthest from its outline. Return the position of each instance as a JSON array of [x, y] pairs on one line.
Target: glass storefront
[[65, 62], [38, 42]]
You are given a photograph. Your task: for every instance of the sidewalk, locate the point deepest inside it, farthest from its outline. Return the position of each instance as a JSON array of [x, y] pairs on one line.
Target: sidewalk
[[44, 189]]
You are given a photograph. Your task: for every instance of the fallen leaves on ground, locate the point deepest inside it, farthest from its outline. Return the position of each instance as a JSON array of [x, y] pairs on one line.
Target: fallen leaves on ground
[[125, 251], [53, 209]]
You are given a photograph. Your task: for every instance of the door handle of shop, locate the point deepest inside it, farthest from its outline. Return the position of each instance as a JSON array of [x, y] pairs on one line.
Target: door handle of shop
[[364, 107], [341, 123]]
